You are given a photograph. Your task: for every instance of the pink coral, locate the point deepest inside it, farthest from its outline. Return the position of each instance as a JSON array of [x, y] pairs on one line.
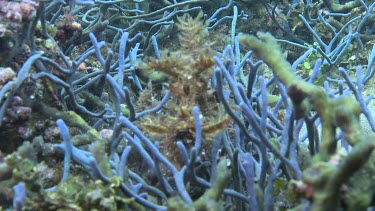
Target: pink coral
[[17, 12]]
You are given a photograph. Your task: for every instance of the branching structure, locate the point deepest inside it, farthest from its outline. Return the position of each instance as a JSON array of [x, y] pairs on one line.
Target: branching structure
[[116, 124], [325, 177]]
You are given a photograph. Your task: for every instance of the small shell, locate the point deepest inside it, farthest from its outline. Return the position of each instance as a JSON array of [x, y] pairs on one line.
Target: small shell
[[23, 112], [6, 74], [106, 134]]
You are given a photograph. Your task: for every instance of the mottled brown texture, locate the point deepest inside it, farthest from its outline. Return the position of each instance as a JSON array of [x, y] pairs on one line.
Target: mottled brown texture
[[17, 12]]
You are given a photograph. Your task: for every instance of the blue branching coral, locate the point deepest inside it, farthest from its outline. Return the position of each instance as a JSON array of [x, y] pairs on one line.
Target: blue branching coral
[[187, 105]]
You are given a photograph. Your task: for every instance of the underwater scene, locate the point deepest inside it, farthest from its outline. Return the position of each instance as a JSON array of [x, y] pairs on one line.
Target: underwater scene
[[187, 105]]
